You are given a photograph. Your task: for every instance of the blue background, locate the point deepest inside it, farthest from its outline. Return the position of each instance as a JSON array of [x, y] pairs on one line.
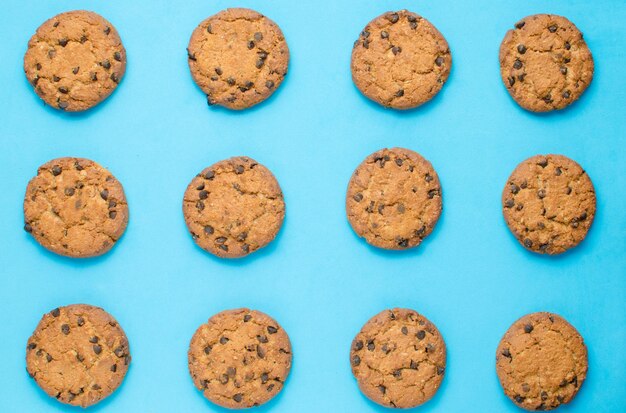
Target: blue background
[[322, 283]]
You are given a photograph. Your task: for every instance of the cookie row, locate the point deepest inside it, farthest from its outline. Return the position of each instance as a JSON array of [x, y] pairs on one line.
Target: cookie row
[[77, 208], [241, 358], [239, 57]]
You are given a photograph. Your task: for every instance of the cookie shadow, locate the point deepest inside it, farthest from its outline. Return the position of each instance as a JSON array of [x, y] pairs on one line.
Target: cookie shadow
[[259, 106], [411, 252], [73, 116], [52, 403], [423, 110], [70, 261], [248, 259]]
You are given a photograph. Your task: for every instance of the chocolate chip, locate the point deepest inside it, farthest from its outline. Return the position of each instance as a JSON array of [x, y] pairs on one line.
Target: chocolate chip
[[358, 197], [404, 330], [568, 190], [519, 25], [93, 340], [396, 49], [393, 18], [541, 193], [511, 80], [440, 370], [521, 77], [75, 70], [93, 76], [119, 351], [358, 345], [224, 340], [400, 93], [56, 170], [563, 70], [114, 77], [55, 313], [517, 64], [528, 243], [384, 35], [259, 63], [432, 193], [509, 203], [32, 346], [203, 194], [528, 328], [402, 242], [112, 214], [107, 30], [370, 345], [28, 228], [209, 29], [83, 38], [269, 84], [264, 378], [239, 169], [506, 353], [552, 28], [208, 349], [104, 194], [117, 56], [439, 61], [397, 373], [69, 191], [251, 44], [48, 358], [272, 329], [543, 162], [63, 42], [382, 389], [80, 321], [238, 397], [567, 46], [97, 348], [245, 248], [544, 396], [566, 94], [106, 64], [519, 399]]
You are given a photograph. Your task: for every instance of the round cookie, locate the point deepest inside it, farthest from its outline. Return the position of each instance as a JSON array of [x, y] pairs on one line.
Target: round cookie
[[75, 207], [78, 354], [234, 207], [240, 358], [398, 359], [238, 57], [541, 362], [400, 60], [545, 63], [394, 199], [549, 203], [75, 60]]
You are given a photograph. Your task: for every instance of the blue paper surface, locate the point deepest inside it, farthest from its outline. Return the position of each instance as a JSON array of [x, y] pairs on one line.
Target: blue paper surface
[[322, 283]]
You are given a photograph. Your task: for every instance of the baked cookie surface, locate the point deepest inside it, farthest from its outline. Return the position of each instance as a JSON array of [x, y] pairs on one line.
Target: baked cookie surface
[[234, 207], [541, 362], [240, 358], [400, 60], [75, 60], [78, 354], [75, 207], [238, 57], [394, 199], [398, 358], [545, 63], [549, 203]]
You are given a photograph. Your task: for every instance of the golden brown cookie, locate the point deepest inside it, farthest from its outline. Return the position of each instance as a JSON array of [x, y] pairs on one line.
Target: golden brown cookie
[[545, 63], [541, 362], [75, 60], [240, 358], [238, 57], [549, 203], [234, 207], [78, 354], [398, 358], [75, 207], [400, 60], [394, 199]]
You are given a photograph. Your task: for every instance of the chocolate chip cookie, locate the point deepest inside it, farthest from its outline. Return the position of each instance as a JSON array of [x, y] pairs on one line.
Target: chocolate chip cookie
[[394, 199], [234, 207], [398, 358], [240, 358], [78, 354], [549, 203], [541, 362], [400, 60], [75, 207], [238, 57], [75, 60], [545, 63]]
